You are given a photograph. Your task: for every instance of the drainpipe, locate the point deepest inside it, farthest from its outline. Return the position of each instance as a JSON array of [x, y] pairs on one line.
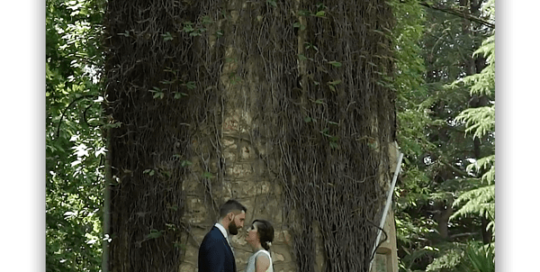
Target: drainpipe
[[106, 207], [386, 208]]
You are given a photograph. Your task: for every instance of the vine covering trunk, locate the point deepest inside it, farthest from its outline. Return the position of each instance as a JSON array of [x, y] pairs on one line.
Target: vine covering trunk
[[313, 77]]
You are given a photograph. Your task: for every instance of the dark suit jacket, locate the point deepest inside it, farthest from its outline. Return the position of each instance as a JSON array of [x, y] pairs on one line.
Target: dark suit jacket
[[215, 254]]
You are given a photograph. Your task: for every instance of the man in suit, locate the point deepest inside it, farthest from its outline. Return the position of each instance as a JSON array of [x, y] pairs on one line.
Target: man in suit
[[215, 253]]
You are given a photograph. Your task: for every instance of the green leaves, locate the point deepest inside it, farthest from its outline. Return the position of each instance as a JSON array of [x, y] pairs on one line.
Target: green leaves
[[178, 95], [166, 82], [476, 202], [485, 163], [167, 36], [332, 84], [304, 13], [335, 63], [481, 258], [272, 3], [308, 45], [158, 93], [333, 140], [301, 57], [191, 85], [206, 20], [149, 172], [186, 163], [299, 25], [153, 234], [74, 178], [480, 121], [325, 132], [188, 27]]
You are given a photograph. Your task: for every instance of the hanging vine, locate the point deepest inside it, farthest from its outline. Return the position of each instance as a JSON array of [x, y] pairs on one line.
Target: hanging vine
[[316, 71]]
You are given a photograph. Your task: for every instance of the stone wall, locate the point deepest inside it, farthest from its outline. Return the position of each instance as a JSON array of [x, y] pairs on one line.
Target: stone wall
[[242, 175], [247, 180]]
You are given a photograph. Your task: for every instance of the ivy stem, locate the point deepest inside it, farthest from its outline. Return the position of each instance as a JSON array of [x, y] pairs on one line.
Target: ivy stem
[[65, 110]]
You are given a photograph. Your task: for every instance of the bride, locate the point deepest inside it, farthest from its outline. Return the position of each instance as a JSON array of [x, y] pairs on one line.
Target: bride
[[260, 236]]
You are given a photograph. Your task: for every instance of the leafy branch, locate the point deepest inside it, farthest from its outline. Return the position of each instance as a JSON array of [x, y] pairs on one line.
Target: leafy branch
[[65, 110], [458, 13]]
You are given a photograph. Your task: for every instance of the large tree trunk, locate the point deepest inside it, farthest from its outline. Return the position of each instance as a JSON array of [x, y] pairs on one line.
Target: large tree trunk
[[234, 99]]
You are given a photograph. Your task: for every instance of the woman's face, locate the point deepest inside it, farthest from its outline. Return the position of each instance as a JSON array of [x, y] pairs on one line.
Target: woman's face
[[252, 234]]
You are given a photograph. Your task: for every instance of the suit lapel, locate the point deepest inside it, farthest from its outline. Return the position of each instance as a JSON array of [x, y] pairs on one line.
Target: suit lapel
[[226, 242], [228, 246]]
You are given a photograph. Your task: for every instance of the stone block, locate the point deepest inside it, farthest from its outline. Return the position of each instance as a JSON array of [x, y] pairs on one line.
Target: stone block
[[239, 170], [188, 267], [196, 212], [283, 253], [285, 267], [246, 152], [245, 188], [230, 124], [277, 257], [282, 237]]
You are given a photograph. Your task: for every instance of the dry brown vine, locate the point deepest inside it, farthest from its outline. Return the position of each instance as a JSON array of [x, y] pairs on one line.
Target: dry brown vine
[[329, 116]]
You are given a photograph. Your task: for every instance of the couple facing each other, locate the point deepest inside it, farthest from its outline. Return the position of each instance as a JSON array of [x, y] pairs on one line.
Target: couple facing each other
[[215, 252]]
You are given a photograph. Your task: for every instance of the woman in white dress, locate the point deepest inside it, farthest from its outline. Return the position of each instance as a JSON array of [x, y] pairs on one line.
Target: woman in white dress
[[260, 236]]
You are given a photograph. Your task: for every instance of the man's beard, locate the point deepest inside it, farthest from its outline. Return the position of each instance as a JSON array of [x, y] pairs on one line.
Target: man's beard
[[233, 228]]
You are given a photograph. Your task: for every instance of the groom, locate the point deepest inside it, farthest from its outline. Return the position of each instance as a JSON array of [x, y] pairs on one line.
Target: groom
[[215, 253]]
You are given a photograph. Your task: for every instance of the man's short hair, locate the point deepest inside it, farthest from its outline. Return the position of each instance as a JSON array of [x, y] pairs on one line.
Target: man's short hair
[[230, 206]]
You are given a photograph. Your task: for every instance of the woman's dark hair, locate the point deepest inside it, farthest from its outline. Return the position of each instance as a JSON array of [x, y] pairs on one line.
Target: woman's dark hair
[[265, 231]]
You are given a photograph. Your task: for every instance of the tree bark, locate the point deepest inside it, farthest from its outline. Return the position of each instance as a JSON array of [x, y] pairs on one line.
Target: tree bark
[[445, 211]]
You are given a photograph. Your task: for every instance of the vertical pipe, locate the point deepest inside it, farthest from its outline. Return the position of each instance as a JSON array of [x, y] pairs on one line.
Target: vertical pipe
[[106, 207], [386, 207]]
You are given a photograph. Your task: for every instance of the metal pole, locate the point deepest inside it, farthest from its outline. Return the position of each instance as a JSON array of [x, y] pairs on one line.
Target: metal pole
[[106, 207], [386, 207]]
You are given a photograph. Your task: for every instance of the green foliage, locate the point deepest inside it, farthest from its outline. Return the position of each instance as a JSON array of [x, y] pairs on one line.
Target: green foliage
[[448, 140], [450, 260], [320, 13], [272, 3], [478, 201], [484, 82], [74, 147], [153, 234], [481, 258], [480, 121], [457, 257], [487, 162], [335, 63], [167, 36]]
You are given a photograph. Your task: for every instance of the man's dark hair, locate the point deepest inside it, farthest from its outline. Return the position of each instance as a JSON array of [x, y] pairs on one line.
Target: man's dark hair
[[230, 206]]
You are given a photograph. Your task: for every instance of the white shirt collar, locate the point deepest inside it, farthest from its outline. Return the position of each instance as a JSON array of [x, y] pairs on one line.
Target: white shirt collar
[[222, 229]]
